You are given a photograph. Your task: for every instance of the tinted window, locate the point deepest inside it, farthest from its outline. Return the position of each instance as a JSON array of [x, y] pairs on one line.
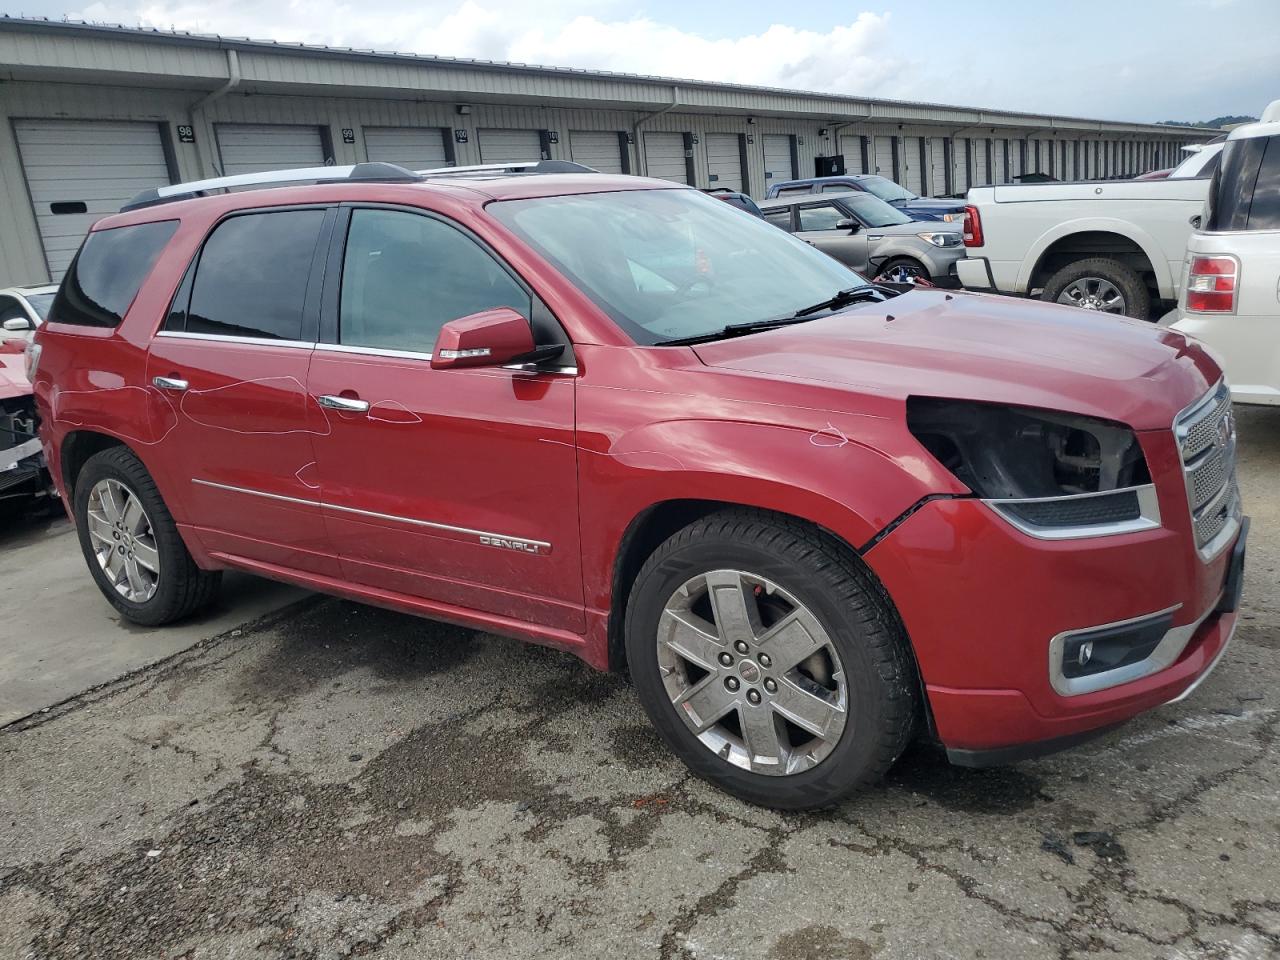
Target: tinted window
[[821, 218], [404, 276], [108, 271], [10, 309], [1265, 212], [837, 188], [251, 279], [789, 191], [780, 218], [885, 189], [1231, 192]]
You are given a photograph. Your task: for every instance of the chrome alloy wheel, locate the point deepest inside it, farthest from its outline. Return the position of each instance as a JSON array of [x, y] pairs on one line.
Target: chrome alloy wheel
[[752, 673], [1093, 293], [123, 540]]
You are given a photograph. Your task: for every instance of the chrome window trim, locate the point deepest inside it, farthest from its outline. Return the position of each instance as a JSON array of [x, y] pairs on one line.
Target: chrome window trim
[[540, 545], [228, 338], [415, 355], [1148, 515], [1164, 655]]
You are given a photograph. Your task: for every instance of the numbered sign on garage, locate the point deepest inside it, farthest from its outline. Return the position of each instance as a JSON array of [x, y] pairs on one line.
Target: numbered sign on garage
[[254, 147], [78, 171], [599, 149], [415, 148]]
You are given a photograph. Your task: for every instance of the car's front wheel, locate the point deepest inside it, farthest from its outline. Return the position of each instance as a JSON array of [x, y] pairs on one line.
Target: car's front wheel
[[131, 544], [769, 660]]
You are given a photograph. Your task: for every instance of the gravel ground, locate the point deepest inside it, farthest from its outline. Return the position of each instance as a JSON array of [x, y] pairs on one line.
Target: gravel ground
[[336, 780]]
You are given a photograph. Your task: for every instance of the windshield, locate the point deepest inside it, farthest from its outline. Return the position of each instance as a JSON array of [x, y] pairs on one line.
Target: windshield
[[671, 264], [40, 302], [886, 189], [873, 211]]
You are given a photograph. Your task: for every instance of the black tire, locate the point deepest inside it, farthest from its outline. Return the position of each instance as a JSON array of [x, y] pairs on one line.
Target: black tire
[[182, 588], [1124, 278], [915, 267], [851, 606]]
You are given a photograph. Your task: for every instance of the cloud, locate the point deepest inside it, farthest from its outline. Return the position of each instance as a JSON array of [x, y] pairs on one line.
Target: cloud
[[847, 58]]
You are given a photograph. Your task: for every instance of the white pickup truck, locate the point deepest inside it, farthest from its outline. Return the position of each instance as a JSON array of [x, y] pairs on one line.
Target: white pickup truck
[[1112, 245]]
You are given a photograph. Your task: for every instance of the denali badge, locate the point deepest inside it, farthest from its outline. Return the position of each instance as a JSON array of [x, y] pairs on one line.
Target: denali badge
[[510, 543]]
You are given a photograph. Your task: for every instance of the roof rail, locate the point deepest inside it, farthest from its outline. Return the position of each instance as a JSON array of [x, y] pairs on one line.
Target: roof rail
[[516, 166], [359, 172]]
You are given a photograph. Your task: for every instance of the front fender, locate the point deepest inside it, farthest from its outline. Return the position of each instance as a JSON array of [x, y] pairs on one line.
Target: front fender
[[824, 474], [1124, 228]]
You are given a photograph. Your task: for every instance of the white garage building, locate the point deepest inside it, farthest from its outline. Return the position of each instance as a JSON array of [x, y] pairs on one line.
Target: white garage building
[[91, 115]]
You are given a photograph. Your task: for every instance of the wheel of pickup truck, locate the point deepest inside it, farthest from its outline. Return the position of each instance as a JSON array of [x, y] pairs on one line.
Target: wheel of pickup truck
[[131, 544], [1100, 283], [769, 661]]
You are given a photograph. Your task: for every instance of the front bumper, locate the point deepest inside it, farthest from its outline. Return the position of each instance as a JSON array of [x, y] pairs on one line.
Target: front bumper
[[983, 603]]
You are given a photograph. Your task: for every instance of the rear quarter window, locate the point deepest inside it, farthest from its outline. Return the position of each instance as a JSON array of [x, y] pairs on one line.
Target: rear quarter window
[[108, 272]]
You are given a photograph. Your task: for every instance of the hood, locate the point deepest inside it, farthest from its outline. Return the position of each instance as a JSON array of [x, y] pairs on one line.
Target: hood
[[990, 348], [13, 371]]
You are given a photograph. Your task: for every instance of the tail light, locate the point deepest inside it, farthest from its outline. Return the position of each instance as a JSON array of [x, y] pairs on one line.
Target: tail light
[[1211, 284], [972, 227]]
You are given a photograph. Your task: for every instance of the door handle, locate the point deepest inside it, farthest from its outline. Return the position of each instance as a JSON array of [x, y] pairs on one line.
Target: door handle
[[170, 383], [349, 404]]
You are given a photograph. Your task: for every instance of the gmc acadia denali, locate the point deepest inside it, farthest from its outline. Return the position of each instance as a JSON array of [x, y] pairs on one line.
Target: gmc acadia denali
[[809, 517]]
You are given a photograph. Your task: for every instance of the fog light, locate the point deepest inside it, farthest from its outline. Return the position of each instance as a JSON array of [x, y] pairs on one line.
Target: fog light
[[1088, 652]]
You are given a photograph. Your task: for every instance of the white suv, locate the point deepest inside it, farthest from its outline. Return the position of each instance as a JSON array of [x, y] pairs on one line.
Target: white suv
[[1230, 296]]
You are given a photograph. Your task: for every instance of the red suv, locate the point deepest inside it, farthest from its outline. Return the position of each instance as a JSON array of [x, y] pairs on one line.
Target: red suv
[[614, 416]]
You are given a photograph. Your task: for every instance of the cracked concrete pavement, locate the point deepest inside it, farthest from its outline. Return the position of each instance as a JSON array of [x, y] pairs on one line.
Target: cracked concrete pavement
[[335, 780]]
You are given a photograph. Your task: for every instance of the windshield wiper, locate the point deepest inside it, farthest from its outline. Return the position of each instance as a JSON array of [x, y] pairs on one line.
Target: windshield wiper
[[841, 298]]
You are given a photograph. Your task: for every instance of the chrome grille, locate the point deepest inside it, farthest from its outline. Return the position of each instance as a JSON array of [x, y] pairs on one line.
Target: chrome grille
[[1206, 436]]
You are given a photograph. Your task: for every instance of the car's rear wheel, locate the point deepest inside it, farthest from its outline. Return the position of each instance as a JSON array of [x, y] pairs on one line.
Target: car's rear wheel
[[131, 544], [769, 661], [1102, 284]]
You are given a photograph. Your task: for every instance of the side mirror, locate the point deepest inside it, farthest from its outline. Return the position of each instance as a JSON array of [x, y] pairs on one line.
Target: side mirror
[[848, 223], [490, 338], [17, 325]]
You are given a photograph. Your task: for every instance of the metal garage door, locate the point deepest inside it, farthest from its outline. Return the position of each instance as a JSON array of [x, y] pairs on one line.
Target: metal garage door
[[912, 173], [79, 171], [960, 164], [600, 150], [724, 160], [253, 147], [937, 185], [884, 157], [999, 172], [664, 156], [417, 148], [777, 159], [851, 150], [509, 146], [1016, 151], [981, 175]]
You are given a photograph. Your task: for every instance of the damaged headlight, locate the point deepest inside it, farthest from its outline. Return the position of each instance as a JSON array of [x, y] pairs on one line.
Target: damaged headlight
[[1052, 475]]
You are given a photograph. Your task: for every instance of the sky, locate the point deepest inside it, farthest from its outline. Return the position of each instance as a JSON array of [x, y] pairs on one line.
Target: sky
[[1137, 60]]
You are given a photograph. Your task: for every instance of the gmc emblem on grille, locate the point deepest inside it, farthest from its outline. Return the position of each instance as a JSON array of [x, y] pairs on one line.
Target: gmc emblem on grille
[[511, 543]]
